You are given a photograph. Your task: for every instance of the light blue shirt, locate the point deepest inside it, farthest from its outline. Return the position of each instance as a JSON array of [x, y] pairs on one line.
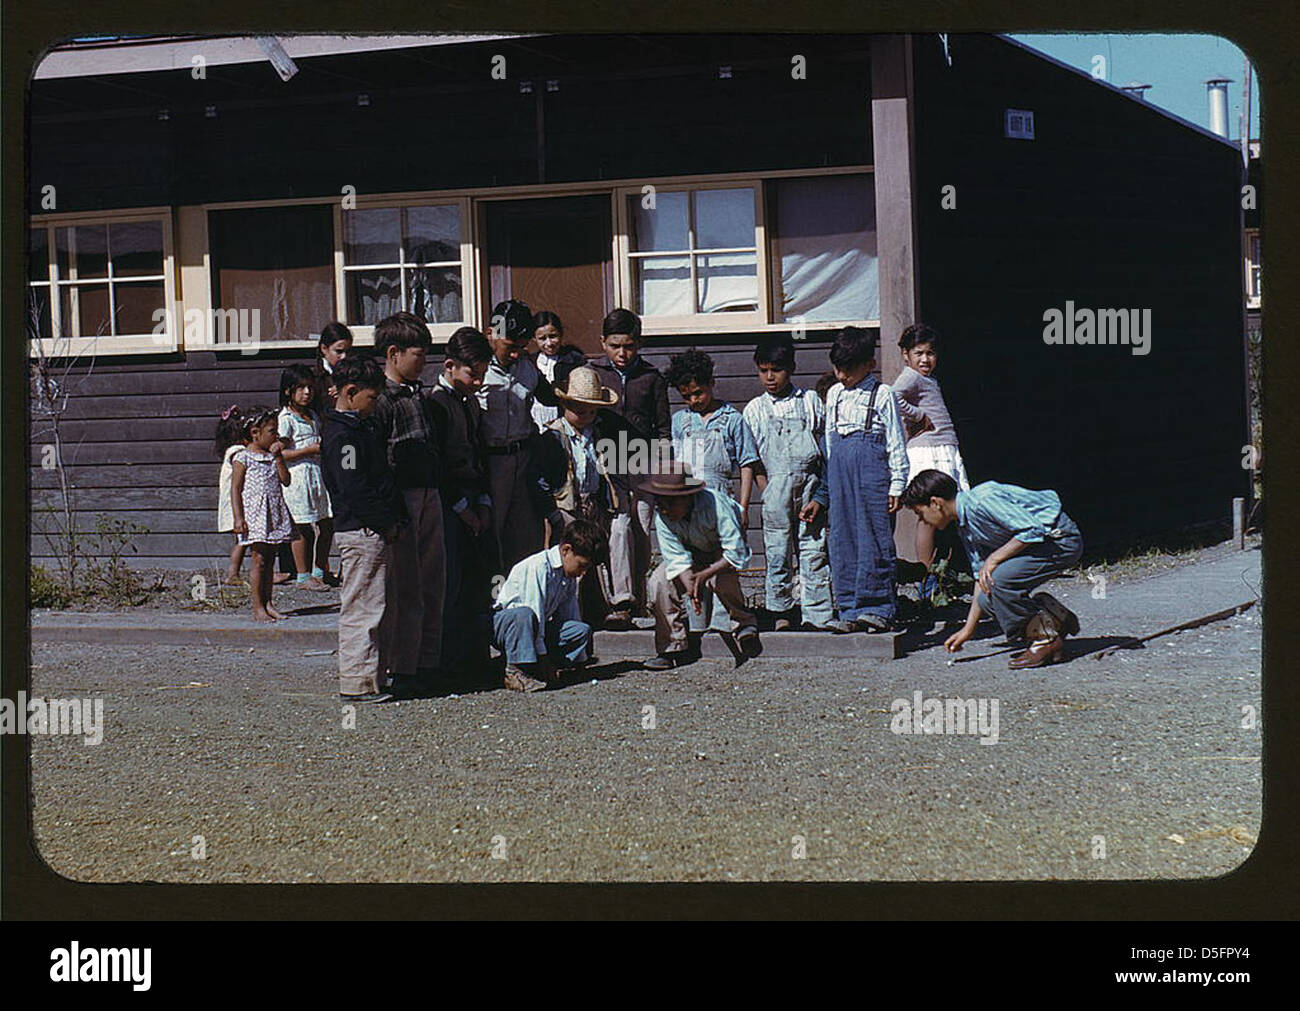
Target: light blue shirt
[[538, 582], [741, 448], [711, 528], [990, 514]]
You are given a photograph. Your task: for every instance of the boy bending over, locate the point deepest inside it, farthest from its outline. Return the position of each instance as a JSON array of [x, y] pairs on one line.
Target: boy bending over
[[1017, 539]]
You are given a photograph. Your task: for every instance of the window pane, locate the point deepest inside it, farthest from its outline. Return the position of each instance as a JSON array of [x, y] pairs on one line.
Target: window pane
[[433, 294], [371, 236], [824, 249], [91, 245], [92, 310], [728, 282], [433, 234], [38, 310], [274, 266], [137, 248], [373, 295], [661, 227], [724, 219], [136, 306], [663, 286], [38, 249]]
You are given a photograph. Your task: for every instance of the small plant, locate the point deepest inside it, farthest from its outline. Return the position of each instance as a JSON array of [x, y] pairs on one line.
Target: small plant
[[46, 590], [109, 575]]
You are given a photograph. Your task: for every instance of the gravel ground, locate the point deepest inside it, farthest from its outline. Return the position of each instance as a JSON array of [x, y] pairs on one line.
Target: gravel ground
[[246, 748]]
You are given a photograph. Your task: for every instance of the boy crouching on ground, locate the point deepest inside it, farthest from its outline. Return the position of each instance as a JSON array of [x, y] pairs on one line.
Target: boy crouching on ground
[[536, 623], [368, 512], [1017, 539], [703, 545]]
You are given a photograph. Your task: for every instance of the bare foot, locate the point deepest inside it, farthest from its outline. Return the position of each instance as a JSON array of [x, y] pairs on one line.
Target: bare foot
[[266, 616], [275, 613], [283, 577]]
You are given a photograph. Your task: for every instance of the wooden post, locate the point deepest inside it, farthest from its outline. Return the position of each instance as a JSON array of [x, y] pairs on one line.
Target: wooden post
[[894, 174], [1239, 522]]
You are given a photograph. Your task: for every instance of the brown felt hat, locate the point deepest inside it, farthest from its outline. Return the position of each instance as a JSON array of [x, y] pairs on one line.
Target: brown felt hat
[[675, 482], [585, 387]]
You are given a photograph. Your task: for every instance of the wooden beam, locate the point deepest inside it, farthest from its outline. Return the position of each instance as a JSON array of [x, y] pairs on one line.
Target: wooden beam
[[893, 149], [893, 143]]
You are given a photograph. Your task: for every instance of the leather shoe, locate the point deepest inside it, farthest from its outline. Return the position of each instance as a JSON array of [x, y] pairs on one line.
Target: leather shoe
[[1041, 653], [517, 681], [671, 660], [619, 620]]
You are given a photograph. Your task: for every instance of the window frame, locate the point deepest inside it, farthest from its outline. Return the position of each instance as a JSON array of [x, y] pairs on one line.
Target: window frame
[[473, 256], [1254, 296], [695, 321], [365, 334], [79, 346]]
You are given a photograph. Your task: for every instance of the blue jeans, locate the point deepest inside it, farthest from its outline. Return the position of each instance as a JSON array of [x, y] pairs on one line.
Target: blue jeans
[[1015, 578], [514, 632]]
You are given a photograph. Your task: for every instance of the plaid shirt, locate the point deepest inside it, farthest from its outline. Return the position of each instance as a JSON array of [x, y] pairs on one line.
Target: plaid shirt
[[405, 422]]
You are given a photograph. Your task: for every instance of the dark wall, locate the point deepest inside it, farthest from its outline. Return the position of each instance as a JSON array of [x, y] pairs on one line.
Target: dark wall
[[625, 107], [139, 438], [1113, 205]]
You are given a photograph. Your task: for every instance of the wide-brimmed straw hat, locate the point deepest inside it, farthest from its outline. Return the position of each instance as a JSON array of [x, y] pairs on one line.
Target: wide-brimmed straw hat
[[675, 482], [585, 387]]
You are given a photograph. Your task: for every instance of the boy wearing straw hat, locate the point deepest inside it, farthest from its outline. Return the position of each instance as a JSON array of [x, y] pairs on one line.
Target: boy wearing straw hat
[[574, 474], [702, 541]]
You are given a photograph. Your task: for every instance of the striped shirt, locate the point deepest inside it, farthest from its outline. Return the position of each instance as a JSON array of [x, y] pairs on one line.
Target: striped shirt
[[796, 404], [846, 413]]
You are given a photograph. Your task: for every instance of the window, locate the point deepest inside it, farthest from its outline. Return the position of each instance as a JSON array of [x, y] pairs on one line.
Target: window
[[100, 279], [767, 252], [272, 269], [823, 247], [403, 258], [694, 252], [1254, 290]]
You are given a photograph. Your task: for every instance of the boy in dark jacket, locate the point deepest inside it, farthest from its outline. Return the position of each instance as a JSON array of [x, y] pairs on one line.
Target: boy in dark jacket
[[368, 514], [418, 574], [466, 502], [642, 396]]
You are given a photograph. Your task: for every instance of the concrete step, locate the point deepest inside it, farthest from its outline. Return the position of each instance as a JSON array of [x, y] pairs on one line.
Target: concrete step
[[318, 632]]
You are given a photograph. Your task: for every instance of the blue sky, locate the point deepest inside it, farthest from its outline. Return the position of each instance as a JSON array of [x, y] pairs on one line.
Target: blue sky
[[1176, 67]]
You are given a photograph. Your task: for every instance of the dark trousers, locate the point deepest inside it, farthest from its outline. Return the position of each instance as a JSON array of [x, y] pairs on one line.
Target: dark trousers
[[468, 605]]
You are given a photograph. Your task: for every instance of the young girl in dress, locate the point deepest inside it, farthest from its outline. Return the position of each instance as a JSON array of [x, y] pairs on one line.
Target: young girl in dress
[[552, 352], [230, 440], [931, 436], [262, 520], [306, 496]]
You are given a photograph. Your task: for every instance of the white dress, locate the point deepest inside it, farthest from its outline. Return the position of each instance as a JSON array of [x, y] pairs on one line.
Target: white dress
[[225, 511], [306, 497]]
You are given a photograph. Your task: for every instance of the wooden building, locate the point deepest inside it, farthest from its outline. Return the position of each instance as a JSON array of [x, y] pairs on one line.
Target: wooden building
[[196, 219]]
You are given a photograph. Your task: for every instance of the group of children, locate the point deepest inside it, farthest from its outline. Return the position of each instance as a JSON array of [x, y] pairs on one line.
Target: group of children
[[491, 504]]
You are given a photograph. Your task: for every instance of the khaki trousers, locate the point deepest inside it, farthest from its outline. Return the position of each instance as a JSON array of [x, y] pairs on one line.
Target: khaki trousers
[[417, 587], [667, 600], [629, 551], [365, 560]]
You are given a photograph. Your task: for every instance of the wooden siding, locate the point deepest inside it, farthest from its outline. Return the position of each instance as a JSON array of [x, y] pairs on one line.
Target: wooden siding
[[1113, 205], [626, 107], [139, 449]]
